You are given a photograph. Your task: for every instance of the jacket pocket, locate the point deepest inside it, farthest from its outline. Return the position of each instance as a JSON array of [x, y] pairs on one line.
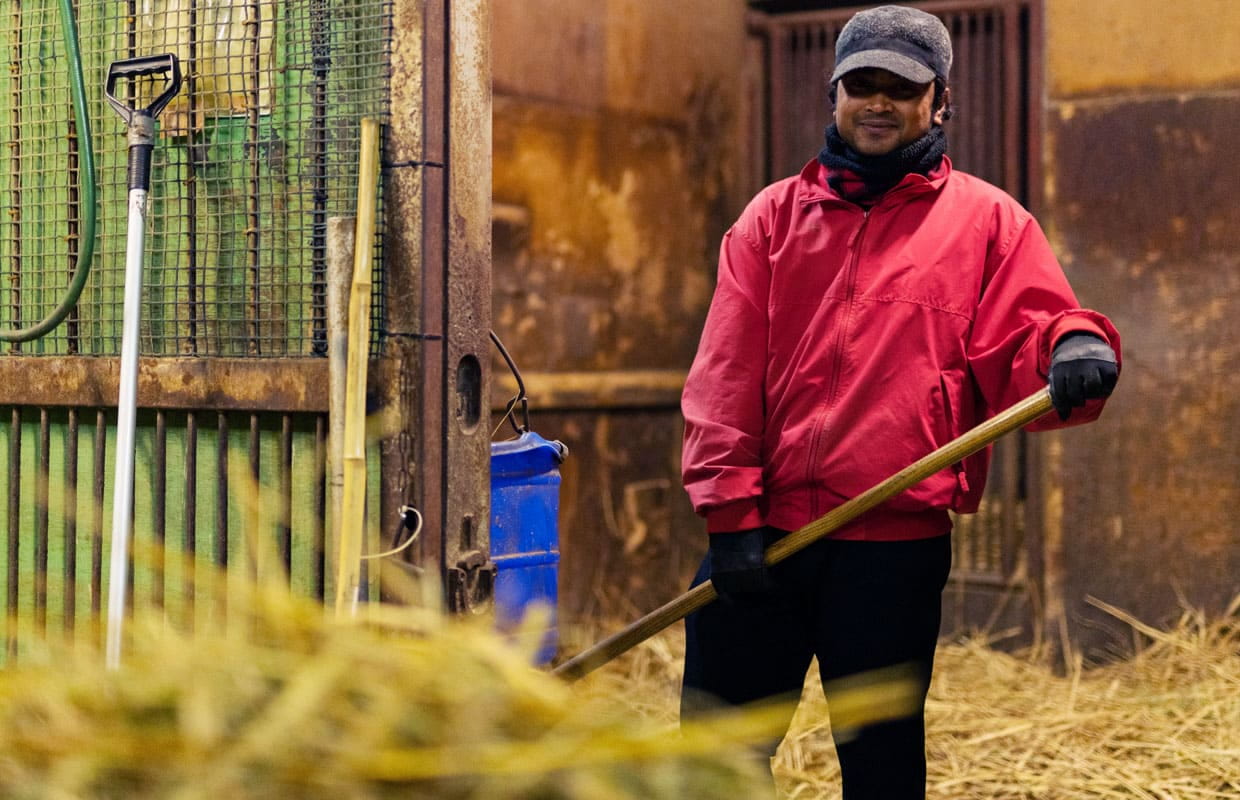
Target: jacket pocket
[[949, 388], [970, 472]]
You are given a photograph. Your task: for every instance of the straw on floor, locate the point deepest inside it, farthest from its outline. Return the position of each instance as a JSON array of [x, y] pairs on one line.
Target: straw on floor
[[1163, 725]]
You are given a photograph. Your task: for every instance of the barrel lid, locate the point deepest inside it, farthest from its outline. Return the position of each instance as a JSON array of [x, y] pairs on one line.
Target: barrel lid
[[529, 450]]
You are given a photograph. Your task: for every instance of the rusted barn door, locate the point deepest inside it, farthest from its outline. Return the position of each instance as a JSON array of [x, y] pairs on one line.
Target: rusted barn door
[[994, 134]]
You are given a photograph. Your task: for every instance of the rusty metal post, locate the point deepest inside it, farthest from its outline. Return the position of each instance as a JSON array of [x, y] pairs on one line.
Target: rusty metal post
[[439, 302], [467, 495]]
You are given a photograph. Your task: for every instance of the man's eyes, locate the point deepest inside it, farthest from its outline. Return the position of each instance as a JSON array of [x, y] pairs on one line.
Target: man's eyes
[[898, 91]]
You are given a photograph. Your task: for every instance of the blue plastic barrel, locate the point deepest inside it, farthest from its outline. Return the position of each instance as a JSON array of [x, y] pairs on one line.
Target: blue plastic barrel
[[525, 542]]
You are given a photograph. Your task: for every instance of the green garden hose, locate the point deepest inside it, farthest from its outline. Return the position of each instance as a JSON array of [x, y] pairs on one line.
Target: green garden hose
[[86, 173]]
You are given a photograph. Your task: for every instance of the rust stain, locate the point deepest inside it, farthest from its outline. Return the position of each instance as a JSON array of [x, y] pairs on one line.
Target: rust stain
[[1143, 218], [171, 383], [1090, 46]]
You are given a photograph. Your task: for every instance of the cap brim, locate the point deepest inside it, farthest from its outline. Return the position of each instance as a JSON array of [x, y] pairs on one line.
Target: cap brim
[[899, 64]]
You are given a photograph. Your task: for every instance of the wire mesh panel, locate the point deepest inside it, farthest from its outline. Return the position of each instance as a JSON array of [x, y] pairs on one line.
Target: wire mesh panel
[[256, 151]]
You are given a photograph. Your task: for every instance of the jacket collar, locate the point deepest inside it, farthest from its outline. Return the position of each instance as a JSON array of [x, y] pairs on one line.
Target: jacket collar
[[812, 184]]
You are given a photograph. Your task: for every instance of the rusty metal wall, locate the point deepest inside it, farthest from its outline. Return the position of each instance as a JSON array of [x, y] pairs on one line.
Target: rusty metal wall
[[1141, 205], [618, 164]]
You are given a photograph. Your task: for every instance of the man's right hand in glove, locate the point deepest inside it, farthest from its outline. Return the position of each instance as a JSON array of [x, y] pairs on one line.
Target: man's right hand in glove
[[737, 568]]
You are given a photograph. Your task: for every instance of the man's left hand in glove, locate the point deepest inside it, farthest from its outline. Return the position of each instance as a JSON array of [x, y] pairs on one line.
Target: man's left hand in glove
[[1083, 367]]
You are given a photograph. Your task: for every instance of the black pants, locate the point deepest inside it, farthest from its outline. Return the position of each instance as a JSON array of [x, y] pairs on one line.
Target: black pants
[[858, 606]]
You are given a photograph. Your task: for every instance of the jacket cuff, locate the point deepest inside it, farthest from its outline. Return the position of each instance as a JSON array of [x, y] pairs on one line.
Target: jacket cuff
[[1080, 321], [734, 516]]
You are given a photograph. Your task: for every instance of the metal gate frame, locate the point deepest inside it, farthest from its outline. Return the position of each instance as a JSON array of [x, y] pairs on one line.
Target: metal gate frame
[[435, 355], [429, 379], [998, 557]]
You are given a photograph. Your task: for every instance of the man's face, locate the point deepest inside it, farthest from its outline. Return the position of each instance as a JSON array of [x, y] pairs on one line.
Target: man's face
[[877, 111]]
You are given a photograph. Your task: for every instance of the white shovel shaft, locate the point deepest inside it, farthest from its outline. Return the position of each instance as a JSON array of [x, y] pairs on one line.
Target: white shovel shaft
[[126, 412]]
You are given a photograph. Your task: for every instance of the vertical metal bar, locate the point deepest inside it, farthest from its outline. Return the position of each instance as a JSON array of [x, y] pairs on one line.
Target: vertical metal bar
[[96, 540], [221, 492], [962, 130], [406, 250], [14, 210], [467, 347], [70, 513], [72, 332], [190, 547], [159, 499], [285, 524], [252, 231], [253, 536], [1036, 543], [13, 544], [1011, 111], [432, 464], [1031, 14], [318, 546], [811, 94], [131, 39], [320, 52], [1032, 114], [42, 466], [779, 54], [979, 78], [997, 150], [798, 58], [757, 113], [824, 61], [1009, 534], [195, 143]]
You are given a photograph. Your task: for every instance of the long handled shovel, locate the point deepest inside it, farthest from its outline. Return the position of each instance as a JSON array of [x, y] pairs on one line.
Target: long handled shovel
[[141, 136], [1019, 415]]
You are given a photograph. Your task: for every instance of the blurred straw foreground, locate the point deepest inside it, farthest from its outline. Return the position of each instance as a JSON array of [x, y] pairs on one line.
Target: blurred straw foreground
[[281, 701], [1164, 725], [273, 698]]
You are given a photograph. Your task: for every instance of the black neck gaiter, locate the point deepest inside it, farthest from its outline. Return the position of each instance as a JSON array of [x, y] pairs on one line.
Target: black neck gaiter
[[863, 179]]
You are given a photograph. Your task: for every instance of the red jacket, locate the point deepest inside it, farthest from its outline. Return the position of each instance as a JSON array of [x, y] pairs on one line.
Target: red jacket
[[842, 345]]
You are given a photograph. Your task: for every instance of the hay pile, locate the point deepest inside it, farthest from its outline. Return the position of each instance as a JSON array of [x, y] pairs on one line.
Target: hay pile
[[281, 702], [1164, 725]]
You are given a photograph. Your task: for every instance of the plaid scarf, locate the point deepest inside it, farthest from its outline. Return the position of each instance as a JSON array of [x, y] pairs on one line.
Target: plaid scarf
[[864, 179]]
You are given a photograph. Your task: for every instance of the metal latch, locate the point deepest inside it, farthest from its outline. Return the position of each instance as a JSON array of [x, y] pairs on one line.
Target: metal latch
[[471, 583]]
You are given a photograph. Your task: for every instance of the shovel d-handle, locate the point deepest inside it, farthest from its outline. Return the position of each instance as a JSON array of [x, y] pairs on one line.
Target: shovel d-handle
[[141, 120], [166, 64], [1018, 416]]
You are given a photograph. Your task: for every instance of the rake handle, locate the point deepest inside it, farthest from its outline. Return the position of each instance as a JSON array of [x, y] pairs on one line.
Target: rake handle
[[1019, 415]]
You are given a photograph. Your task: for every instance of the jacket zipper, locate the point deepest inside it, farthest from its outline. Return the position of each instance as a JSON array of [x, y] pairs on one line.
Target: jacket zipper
[[850, 284], [850, 280]]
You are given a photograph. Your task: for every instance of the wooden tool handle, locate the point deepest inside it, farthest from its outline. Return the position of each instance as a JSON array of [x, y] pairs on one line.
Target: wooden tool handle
[[1019, 415]]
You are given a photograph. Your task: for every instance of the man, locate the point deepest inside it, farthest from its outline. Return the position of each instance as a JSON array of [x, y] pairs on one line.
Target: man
[[867, 311]]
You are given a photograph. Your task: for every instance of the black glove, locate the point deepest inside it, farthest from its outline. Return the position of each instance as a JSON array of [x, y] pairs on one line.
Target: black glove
[[1082, 367], [737, 569]]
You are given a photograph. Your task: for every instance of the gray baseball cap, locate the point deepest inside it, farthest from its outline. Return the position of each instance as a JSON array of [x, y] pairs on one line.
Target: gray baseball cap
[[911, 43]]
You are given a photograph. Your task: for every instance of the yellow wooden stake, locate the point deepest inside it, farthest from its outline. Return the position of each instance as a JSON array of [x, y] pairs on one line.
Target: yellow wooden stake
[[353, 501]]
